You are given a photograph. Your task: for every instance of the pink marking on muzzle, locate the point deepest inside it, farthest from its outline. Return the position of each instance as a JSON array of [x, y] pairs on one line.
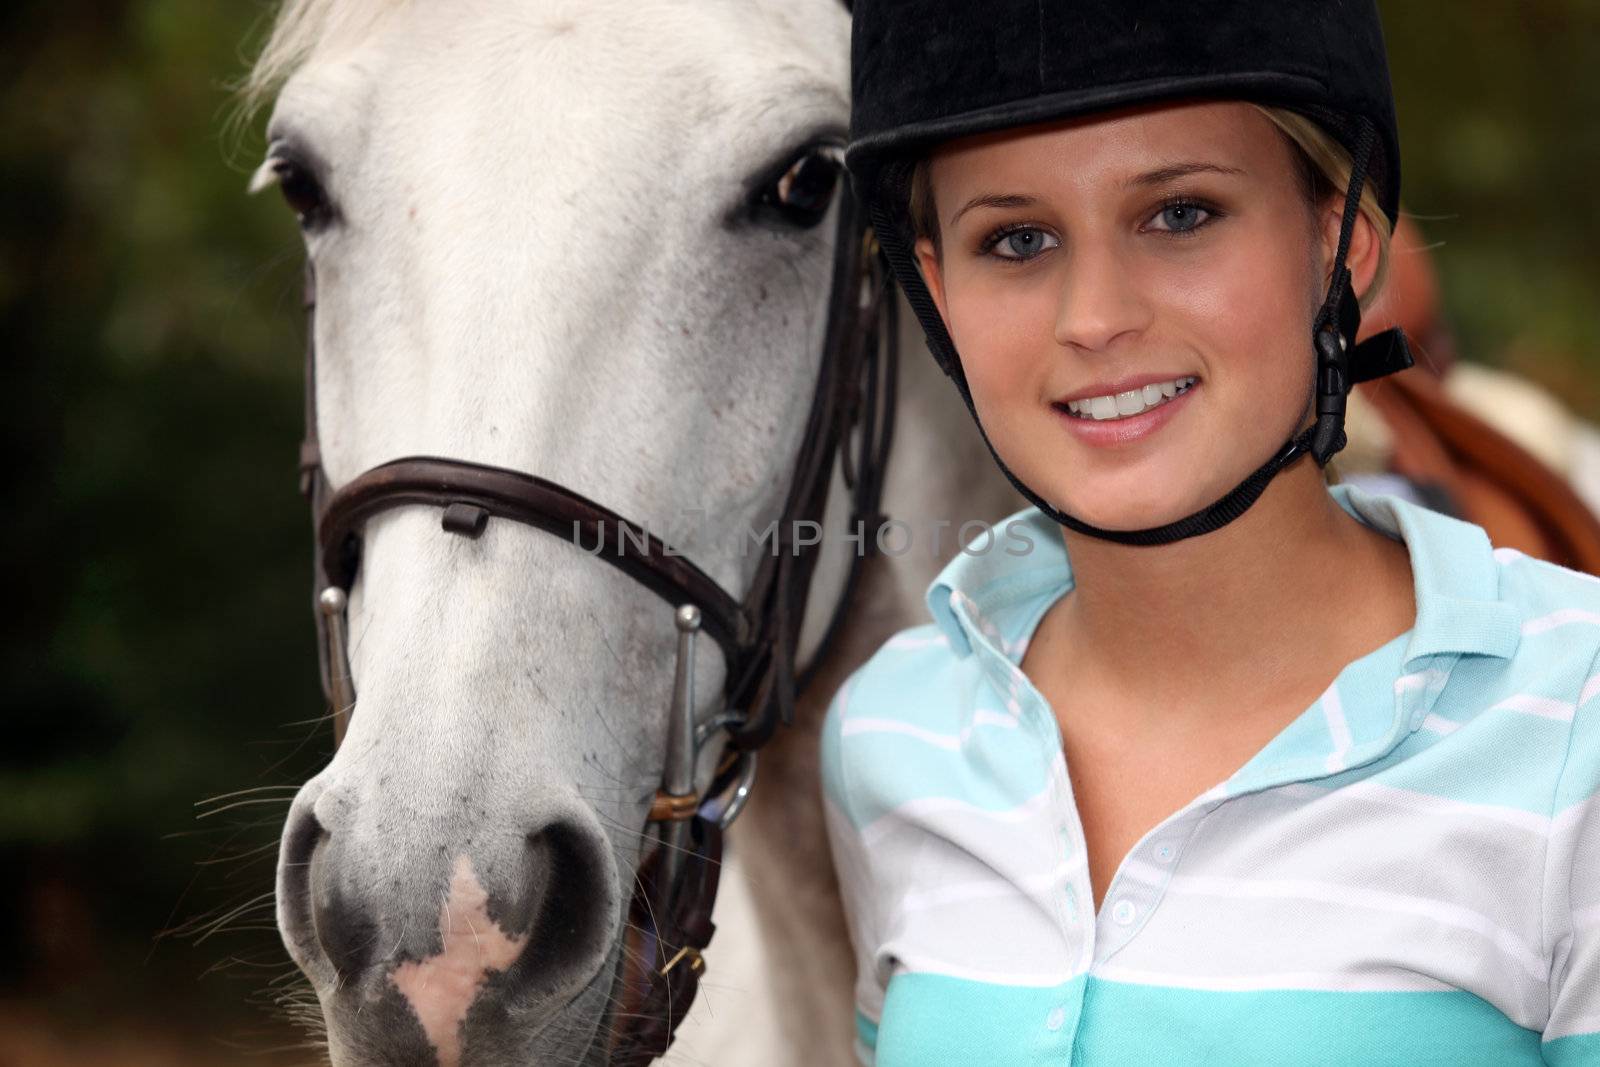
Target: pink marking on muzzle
[[441, 988]]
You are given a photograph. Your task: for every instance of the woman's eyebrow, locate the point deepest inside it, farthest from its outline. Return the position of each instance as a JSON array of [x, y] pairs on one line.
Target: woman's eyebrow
[[1153, 177], [1178, 170], [993, 200]]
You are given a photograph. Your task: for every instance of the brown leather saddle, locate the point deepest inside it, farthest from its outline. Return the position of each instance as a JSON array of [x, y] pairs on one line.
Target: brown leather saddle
[[1457, 462], [1464, 467]]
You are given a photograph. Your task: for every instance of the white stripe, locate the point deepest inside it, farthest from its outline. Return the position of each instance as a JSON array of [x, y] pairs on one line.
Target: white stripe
[[851, 727], [921, 963], [1578, 812], [1398, 981], [1439, 911], [904, 640], [1419, 803], [1333, 712], [1439, 724], [918, 812], [1591, 688], [995, 888], [1141, 871], [950, 742], [1417, 680], [1507, 555], [1564, 617], [1544, 707], [1585, 919]]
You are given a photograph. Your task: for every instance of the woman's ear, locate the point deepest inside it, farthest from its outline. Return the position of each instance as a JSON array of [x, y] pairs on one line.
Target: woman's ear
[[928, 260], [1362, 257]]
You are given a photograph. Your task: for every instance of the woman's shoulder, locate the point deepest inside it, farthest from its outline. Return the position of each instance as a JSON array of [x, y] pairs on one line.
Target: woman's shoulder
[[912, 696], [922, 721], [909, 679], [1538, 586], [1557, 610]]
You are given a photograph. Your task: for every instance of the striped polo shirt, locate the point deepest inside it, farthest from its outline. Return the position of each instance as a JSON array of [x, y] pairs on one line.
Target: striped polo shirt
[[1408, 874]]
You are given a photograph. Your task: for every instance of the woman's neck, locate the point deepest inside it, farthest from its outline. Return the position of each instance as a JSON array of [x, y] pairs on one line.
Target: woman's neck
[[1281, 597]]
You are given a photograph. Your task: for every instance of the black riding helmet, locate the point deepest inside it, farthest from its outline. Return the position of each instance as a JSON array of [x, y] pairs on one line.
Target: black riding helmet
[[926, 71]]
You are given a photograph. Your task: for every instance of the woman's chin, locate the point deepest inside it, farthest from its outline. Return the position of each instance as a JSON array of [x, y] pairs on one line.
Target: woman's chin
[[1122, 508]]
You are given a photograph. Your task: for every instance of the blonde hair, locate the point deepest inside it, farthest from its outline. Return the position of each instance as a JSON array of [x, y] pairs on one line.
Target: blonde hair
[[1324, 165], [1329, 172]]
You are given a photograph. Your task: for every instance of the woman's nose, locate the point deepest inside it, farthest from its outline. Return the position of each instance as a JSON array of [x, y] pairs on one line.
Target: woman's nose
[[1098, 301]]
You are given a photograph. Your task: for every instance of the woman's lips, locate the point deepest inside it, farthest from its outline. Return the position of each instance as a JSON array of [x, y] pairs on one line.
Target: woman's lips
[[1111, 433]]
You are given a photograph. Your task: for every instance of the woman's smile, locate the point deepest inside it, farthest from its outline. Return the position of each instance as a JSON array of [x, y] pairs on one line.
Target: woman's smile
[[1114, 419]]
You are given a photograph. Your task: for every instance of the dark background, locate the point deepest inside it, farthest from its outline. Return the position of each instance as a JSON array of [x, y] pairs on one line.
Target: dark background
[[155, 552]]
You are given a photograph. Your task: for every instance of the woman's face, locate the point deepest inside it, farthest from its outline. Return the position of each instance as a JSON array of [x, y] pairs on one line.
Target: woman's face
[[1157, 270]]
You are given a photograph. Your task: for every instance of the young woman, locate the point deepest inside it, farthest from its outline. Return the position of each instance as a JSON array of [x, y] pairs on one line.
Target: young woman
[[1201, 760]]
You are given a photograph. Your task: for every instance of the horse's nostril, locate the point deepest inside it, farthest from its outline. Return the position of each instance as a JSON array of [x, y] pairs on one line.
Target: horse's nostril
[[301, 837], [322, 925], [566, 905], [346, 929]]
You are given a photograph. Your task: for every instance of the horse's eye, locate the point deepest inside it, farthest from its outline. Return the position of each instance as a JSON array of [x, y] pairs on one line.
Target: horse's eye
[[802, 193], [302, 192]]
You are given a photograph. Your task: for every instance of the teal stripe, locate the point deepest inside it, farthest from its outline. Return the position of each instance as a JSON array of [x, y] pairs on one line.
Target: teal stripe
[[1132, 1025], [1574, 1050], [932, 1020], [999, 769], [1507, 760], [866, 1030]]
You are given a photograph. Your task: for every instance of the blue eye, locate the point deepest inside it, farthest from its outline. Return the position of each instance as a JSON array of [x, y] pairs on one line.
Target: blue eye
[[1021, 242], [1183, 216]]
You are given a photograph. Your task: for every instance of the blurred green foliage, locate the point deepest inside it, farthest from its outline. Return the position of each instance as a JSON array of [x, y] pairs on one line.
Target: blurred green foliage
[[1497, 104], [156, 551]]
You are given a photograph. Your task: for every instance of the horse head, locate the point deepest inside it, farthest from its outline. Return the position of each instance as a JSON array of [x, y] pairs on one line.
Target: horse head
[[588, 240]]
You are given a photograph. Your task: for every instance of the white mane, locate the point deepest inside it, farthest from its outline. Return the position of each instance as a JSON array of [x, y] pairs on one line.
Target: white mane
[[304, 29]]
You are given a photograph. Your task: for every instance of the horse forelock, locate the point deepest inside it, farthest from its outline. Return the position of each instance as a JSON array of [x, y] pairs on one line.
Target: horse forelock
[[303, 29]]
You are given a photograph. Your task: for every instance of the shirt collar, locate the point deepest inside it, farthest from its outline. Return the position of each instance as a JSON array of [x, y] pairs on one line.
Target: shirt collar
[[1457, 579]]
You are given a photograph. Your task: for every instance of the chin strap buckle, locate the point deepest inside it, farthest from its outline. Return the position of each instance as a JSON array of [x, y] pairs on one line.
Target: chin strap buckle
[[1333, 334]]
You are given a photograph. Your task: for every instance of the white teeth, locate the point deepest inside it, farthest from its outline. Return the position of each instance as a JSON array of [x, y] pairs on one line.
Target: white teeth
[[1132, 402]]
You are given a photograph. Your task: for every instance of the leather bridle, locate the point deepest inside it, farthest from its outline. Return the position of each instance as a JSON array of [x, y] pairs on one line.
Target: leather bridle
[[670, 914]]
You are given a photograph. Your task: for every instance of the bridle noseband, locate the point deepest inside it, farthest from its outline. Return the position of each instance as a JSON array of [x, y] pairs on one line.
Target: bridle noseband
[[758, 635]]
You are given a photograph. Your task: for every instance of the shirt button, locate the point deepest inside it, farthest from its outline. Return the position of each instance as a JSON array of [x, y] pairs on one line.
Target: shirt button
[[1122, 912], [1056, 1017], [1164, 853]]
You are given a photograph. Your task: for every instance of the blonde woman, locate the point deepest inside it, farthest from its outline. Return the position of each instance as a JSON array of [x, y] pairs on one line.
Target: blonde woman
[[1199, 759]]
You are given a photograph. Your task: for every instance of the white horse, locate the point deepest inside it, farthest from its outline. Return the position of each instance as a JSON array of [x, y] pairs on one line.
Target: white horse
[[543, 240]]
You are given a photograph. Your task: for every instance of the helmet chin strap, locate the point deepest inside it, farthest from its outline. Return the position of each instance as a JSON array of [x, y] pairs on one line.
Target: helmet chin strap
[[1340, 364]]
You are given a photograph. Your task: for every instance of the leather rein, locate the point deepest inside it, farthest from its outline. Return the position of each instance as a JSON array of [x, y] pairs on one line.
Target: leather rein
[[758, 634]]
